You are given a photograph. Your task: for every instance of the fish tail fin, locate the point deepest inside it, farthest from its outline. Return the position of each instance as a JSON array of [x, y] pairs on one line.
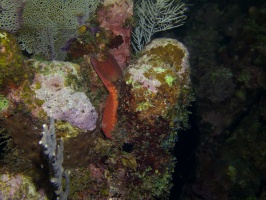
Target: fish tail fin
[[109, 71], [110, 113]]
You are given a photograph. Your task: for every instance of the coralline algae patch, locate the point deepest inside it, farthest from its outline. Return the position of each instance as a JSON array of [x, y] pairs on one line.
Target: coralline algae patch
[[114, 17], [56, 85], [19, 186], [157, 78]]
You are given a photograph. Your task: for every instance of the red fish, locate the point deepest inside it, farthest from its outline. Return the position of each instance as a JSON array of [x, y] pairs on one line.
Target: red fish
[[109, 72]]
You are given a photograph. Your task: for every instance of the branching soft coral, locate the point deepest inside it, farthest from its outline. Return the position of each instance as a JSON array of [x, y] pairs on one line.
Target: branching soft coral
[[155, 16]]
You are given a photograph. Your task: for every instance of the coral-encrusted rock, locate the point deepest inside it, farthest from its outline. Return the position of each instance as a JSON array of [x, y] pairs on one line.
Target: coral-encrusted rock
[[19, 186], [9, 50], [55, 85], [55, 93], [12, 71], [153, 98], [115, 17], [158, 80], [56, 89]]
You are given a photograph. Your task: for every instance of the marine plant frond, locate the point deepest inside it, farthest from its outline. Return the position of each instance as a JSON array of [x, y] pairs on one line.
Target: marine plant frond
[[156, 16]]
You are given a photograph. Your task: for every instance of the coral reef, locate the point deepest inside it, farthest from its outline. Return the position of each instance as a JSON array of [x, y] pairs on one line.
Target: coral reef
[[156, 79], [19, 186], [55, 86], [54, 23], [113, 18], [117, 145], [56, 91], [12, 70], [154, 17], [153, 98]]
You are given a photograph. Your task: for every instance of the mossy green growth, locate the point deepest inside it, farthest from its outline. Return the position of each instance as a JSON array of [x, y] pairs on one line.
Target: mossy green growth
[[11, 60], [3, 103], [82, 181], [159, 80], [169, 53], [169, 80], [129, 160], [66, 130], [20, 185], [154, 96], [142, 106], [156, 184], [232, 173]]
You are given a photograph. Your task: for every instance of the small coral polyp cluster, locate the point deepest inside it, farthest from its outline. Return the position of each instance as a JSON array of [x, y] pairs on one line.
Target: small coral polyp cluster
[[152, 93]]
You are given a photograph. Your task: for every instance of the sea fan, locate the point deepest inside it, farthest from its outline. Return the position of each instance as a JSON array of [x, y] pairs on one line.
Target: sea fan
[[49, 25]]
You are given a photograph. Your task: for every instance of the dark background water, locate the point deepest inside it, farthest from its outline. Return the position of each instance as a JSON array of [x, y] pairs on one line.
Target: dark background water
[[222, 155]]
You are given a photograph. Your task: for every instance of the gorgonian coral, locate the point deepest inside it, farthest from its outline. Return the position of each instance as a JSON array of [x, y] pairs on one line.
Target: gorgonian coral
[[155, 16], [11, 14], [49, 25]]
